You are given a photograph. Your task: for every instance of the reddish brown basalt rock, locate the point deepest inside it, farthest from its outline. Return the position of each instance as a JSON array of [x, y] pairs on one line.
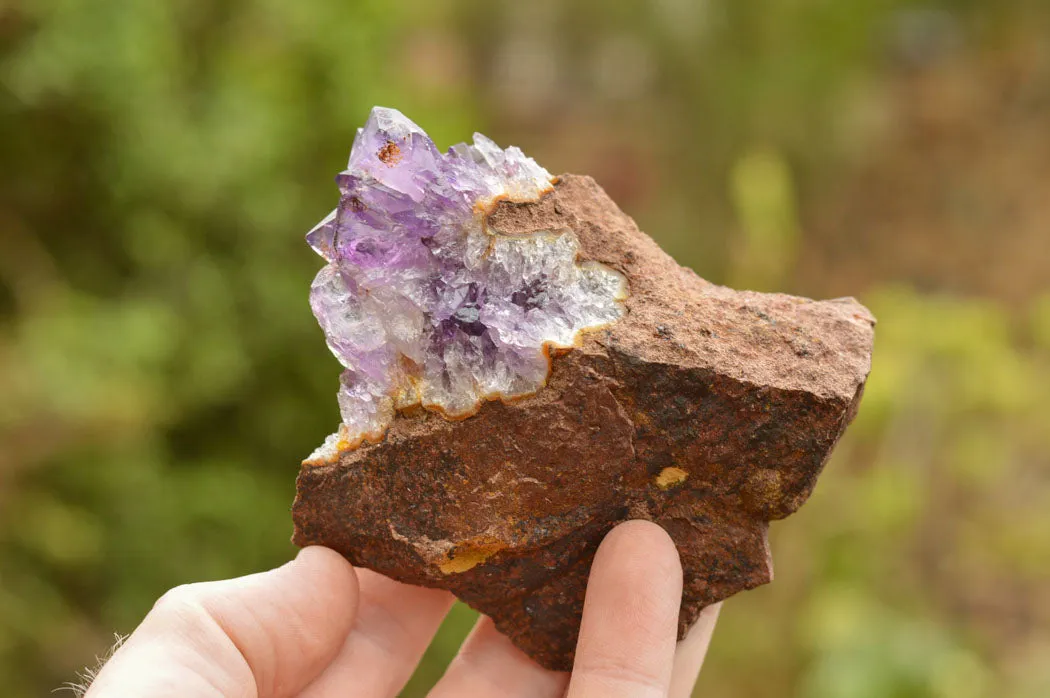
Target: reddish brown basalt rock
[[707, 410]]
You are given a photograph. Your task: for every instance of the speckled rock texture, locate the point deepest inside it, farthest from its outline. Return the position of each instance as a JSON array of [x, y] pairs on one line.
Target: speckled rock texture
[[707, 410]]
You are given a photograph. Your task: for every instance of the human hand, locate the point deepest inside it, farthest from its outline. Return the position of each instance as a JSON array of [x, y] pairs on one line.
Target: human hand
[[316, 627]]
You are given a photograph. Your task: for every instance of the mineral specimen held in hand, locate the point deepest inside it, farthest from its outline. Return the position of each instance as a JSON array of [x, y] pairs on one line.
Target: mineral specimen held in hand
[[525, 369]]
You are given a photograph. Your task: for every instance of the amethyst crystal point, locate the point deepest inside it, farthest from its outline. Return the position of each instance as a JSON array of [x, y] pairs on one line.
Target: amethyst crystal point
[[421, 302]]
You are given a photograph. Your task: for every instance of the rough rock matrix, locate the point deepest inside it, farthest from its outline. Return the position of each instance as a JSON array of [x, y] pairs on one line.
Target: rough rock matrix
[[707, 410]]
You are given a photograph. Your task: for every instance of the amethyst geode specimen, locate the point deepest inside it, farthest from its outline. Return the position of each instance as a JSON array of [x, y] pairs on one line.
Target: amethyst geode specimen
[[421, 301], [524, 369]]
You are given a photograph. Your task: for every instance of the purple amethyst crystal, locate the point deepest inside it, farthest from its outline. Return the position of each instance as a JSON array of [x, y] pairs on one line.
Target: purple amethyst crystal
[[421, 302]]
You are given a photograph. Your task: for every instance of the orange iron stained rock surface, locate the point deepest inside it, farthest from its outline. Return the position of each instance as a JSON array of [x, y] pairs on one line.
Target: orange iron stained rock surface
[[707, 410]]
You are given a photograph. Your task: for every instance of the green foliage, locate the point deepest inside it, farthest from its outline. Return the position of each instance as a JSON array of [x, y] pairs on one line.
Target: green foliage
[[161, 375]]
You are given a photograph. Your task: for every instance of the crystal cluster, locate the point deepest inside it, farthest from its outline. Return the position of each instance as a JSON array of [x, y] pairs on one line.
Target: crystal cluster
[[421, 302]]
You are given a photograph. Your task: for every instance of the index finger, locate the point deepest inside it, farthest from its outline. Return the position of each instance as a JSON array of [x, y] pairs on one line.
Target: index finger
[[630, 616]]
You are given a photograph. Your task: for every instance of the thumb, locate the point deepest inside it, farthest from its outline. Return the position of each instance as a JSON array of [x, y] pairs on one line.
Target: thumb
[[265, 635]]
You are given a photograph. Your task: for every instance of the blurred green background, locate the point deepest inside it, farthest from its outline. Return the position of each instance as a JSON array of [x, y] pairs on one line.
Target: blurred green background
[[161, 375]]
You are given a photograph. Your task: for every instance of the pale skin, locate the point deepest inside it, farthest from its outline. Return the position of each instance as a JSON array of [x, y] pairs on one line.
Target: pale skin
[[319, 628]]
